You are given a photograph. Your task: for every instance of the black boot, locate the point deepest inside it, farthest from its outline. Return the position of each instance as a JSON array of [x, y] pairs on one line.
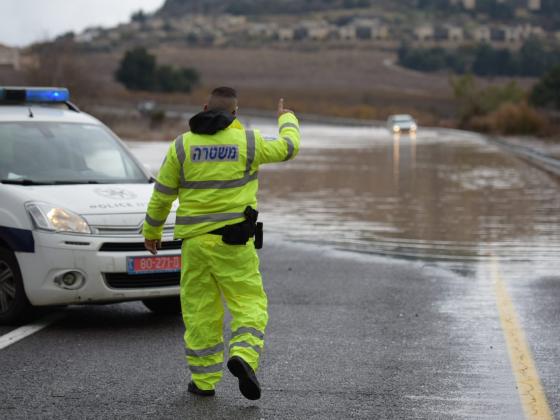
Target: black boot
[[248, 382], [193, 389]]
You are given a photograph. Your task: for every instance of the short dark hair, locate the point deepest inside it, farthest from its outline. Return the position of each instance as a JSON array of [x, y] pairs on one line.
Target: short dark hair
[[224, 92]]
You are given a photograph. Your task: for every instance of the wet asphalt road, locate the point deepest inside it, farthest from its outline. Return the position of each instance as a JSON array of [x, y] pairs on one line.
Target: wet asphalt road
[[416, 334], [349, 337]]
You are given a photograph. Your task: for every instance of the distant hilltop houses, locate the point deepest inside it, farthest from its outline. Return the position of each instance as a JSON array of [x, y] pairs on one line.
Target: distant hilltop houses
[[533, 5], [499, 34], [227, 29], [506, 23], [236, 30]]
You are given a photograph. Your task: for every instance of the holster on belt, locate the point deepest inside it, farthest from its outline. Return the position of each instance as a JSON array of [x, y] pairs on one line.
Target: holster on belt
[[240, 233]]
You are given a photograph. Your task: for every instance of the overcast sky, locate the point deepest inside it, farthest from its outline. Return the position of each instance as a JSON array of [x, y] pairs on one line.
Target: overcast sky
[[25, 21]]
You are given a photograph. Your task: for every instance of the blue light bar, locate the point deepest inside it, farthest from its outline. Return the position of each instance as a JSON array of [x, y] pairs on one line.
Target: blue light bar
[[34, 95], [47, 95]]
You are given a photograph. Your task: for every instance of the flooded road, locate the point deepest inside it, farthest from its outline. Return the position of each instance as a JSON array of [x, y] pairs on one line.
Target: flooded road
[[477, 228], [461, 322], [442, 194], [481, 230]]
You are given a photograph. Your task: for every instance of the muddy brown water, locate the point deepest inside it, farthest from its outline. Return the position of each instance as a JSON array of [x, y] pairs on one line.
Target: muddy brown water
[[442, 194]]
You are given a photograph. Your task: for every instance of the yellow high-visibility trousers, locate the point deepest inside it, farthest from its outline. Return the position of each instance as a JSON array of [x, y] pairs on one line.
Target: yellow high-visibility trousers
[[212, 269]]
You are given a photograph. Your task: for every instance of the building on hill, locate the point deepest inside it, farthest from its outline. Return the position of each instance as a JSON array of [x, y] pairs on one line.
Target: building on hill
[[370, 29], [507, 34], [424, 33], [319, 33], [9, 58], [535, 5], [263, 30], [482, 34], [88, 35], [439, 33], [347, 33], [529, 31], [455, 33], [286, 34], [532, 5]]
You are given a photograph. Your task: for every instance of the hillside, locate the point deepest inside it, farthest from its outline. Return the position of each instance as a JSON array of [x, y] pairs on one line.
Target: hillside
[[337, 60], [545, 13], [174, 8]]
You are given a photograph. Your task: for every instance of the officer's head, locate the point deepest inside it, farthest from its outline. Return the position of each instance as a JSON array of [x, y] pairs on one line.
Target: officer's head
[[222, 99]]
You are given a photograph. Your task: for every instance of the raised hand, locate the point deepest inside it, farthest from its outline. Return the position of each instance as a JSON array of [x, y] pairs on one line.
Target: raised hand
[[281, 109]]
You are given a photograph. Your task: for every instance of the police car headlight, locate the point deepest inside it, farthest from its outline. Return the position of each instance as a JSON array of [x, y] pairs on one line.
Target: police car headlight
[[56, 219]]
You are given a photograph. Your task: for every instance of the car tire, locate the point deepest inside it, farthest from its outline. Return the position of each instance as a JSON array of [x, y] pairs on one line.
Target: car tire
[[14, 305], [164, 306]]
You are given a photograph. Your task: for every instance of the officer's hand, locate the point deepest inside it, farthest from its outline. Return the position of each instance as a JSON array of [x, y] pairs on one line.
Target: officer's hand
[[152, 245], [281, 109]]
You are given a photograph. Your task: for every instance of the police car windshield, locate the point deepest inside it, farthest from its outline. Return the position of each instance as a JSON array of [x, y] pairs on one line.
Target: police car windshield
[[38, 153]]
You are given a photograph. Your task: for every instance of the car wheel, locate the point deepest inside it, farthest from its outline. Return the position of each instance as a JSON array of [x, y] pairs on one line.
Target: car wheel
[[14, 305], [164, 306]]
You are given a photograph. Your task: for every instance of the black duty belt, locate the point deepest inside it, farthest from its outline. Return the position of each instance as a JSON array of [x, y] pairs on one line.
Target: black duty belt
[[222, 230], [240, 233]]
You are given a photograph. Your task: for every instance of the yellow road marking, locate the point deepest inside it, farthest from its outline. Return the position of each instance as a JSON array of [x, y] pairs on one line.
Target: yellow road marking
[[533, 398]]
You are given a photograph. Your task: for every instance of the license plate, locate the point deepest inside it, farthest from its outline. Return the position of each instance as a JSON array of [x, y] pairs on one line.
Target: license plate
[[157, 264]]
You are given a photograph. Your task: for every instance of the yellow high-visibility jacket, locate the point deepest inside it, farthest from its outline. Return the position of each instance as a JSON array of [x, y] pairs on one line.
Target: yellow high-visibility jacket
[[215, 176]]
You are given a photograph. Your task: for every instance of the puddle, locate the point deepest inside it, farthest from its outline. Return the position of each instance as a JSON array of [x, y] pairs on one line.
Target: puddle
[[442, 194]]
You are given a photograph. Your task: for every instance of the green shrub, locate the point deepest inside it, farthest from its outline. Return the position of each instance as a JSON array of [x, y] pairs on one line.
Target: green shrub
[[474, 101], [138, 70], [172, 79], [546, 93]]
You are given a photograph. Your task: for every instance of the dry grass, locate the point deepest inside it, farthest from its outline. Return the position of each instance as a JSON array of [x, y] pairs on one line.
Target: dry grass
[[344, 83], [512, 119], [351, 83], [136, 127]]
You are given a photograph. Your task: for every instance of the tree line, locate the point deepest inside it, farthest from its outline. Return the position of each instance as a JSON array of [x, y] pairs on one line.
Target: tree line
[[172, 8], [533, 59]]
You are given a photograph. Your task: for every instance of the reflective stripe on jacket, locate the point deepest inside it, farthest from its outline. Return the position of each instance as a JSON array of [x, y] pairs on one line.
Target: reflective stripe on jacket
[[215, 177]]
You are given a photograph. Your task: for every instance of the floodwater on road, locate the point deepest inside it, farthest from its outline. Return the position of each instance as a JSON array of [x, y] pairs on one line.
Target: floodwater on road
[[369, 337], [442, 194]]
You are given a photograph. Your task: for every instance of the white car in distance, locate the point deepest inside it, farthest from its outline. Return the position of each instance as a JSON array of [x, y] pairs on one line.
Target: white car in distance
[[401, 123], [72, 203]]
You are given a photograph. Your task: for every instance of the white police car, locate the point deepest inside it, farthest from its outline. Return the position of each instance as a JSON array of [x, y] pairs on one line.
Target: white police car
[[72, 203]]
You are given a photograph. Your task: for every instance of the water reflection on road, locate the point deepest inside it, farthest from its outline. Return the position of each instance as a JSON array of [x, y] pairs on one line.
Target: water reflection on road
[[444, 193]]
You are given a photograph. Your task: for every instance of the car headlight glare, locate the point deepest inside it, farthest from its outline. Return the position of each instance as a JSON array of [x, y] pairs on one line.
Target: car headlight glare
[[396, 128], [57, 219]]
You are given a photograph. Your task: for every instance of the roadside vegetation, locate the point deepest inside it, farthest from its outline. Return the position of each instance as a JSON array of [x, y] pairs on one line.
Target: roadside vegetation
[[533, 59], [138, 70], [546, 93], [507, 109]]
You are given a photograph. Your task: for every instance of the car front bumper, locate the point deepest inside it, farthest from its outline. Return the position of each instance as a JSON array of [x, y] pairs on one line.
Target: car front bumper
[[102, 262]]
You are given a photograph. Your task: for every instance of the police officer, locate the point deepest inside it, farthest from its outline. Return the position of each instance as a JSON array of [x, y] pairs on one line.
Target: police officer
[[213, 170]]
